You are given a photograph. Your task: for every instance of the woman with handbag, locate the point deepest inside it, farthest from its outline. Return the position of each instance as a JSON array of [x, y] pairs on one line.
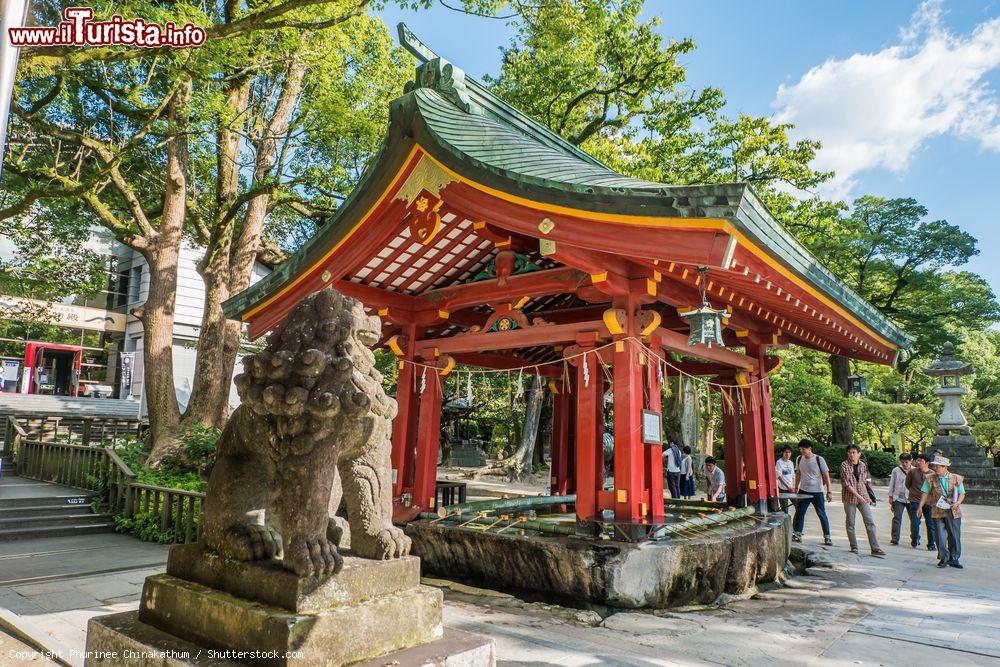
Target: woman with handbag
[[858, 497]]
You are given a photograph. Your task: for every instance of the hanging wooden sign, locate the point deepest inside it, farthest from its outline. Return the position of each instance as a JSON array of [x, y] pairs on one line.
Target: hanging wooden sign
[[652, 428]]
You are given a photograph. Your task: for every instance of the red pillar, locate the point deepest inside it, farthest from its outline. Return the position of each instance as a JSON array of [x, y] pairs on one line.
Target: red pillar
[[428, 436], [732, 447], [571, 435], [404, 426], [654, 453], [767, 425], [753, 444], [589, 448], [560, 442], [629, 463]]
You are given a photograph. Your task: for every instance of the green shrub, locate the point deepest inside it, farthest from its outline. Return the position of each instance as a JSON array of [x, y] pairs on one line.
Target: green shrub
[[200, 444], [880, 464], [146, 527]]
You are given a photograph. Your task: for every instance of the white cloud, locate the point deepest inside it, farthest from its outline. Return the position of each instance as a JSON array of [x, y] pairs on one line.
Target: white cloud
[[875, 110]]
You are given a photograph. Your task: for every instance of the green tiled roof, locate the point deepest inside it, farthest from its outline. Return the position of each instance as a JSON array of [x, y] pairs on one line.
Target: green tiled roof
[[476, 134]]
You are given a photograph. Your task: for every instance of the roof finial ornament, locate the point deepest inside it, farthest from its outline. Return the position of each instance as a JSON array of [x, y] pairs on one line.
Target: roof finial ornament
[[436, 73]]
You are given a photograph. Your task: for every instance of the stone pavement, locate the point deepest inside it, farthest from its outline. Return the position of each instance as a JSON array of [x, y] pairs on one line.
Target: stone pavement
[[856, 610], [900, 610], [14, 651], [50, 587]]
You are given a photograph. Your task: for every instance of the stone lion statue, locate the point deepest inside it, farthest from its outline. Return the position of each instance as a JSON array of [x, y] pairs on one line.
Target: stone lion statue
[[314, 427]]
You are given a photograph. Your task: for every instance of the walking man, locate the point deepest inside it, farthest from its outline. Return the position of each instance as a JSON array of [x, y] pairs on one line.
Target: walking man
[[899, 496], [811, 476], [673, 457], [945, 492], [858, 498], [919, 472]]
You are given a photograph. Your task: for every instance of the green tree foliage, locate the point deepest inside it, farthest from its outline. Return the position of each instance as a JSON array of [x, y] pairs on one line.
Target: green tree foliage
[[900, 261], [803, 397], [242, 145], [876, 423], [606, 80]]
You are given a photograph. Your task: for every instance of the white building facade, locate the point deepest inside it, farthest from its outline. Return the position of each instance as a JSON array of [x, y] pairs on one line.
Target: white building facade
[[190, 306]]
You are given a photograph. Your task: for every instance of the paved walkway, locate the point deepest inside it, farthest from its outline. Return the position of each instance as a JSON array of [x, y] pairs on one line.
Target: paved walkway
[[51, 587], [901, 610]]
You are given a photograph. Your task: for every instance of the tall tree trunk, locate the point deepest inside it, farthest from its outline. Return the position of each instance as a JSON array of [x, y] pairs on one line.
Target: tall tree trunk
[[230, 268], [218, 343], [545, 431], [708, 432], [157, 313], [843, 426], [532, 418]]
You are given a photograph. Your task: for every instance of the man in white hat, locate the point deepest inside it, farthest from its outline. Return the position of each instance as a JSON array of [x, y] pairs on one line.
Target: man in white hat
[[945, 492]]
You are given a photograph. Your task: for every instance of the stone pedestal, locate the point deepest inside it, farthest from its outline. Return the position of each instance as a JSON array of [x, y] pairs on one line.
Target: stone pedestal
[[968, 459], [206, 610]]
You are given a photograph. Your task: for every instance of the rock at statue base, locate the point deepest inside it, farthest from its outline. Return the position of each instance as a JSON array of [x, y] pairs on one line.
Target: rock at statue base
[[208, 610]]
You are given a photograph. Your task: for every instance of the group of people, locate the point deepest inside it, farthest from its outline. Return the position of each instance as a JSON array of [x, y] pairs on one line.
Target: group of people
[[681, 475], [921, 487]]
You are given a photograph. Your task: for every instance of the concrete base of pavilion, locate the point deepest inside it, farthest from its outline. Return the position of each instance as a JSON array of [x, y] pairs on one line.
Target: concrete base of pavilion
[[658, 574], [207, 610]]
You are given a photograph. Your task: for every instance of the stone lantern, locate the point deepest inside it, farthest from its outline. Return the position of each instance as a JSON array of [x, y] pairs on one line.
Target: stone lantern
[[951, 391]]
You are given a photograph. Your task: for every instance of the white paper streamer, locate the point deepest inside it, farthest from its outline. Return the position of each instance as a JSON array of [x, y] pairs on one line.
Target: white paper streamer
[[586, 372], [423, 380], [468, 388], [520, 385]]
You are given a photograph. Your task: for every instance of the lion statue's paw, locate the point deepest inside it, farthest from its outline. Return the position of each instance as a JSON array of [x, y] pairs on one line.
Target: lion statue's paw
[[313, 556], [389, 542], [250, 541]]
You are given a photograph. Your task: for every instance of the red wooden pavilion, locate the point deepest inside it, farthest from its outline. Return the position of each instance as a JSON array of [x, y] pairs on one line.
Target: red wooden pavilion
[[482, 238]]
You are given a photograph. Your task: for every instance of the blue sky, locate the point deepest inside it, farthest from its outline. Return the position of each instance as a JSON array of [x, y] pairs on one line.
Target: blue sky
[[904, 95]]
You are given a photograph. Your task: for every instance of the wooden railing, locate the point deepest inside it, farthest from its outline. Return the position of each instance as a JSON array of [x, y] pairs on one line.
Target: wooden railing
[[177, 510], [14, 433], [79, 430], [100, 469]]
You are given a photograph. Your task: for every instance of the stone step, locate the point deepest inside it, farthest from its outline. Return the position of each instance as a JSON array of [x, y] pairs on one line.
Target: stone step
[[55, 531], [979, 473], [42, 510], [53, 520], [34, 405], [969, 462], [972, 484], [454, 649], [978, 497], [62, 500]]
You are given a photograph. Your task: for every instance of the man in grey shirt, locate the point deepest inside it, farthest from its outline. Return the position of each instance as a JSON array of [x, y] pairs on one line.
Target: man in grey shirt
[[811, 475], [715, 486]]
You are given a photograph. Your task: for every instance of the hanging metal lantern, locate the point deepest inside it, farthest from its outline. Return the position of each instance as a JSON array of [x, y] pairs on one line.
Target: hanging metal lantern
[[857, 385], [705, 323]]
